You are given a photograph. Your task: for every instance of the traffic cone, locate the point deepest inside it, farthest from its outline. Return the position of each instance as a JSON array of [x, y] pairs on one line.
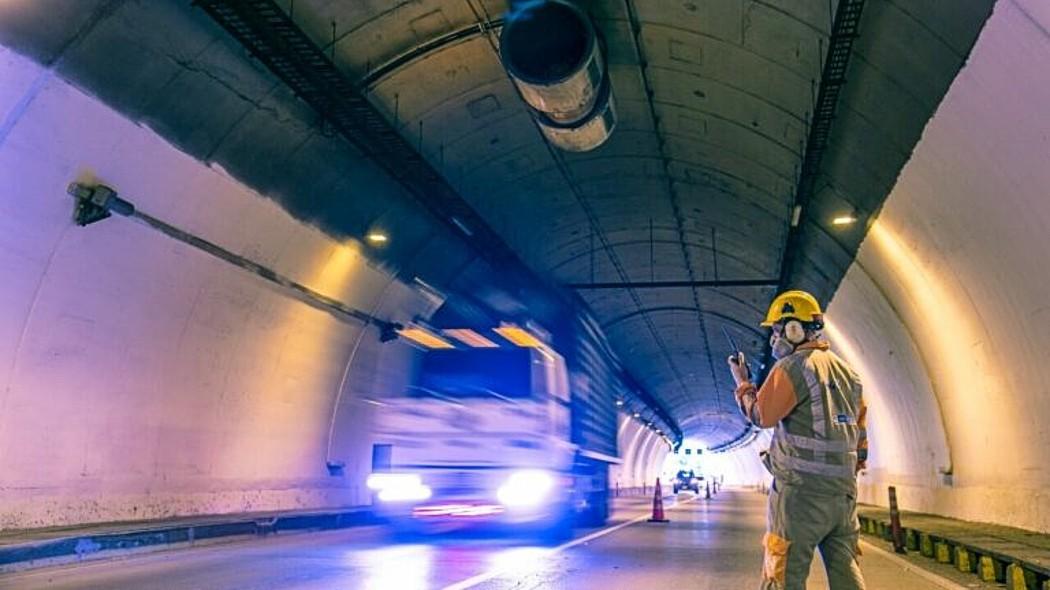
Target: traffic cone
[[707, 491], [658, 505]]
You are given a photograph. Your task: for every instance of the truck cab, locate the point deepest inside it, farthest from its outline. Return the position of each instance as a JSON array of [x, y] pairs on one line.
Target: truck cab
[[484, 435]]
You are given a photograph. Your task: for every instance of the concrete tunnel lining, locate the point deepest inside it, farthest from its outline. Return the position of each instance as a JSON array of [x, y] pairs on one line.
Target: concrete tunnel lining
[[220, 431], [979, 170], [942, 312]]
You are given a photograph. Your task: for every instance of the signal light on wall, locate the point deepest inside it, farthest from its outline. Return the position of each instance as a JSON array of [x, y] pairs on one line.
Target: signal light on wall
[[470, 338], [424, 337], [519, 336]]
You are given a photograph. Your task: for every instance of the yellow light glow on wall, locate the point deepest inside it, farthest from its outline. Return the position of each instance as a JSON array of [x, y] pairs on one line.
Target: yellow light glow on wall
[[470, 338], [887, 439], [844, 220], [956, 349], [424, 338], [334, 274], [519, 336]]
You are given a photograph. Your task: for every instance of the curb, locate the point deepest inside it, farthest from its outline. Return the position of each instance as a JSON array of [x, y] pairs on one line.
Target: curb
[[80, 547]]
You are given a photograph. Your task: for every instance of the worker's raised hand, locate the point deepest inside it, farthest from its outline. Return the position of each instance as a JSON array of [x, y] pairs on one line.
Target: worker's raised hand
[[738, 368]]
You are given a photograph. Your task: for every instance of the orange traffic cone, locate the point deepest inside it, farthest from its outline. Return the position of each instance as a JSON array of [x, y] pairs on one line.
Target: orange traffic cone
[[658, 505]]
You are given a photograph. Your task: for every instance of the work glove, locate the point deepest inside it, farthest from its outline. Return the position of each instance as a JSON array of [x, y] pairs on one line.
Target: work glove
[[738, 368]]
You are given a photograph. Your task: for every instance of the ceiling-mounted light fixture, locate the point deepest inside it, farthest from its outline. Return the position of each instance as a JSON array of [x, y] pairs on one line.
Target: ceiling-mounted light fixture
[[470, 338], [377, 238], [424, 337], [842, 220], [619, 402]]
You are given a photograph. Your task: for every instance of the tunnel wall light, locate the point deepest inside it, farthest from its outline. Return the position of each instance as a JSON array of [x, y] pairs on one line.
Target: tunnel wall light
[[470, 338], [519, 336], [424, 338], [377, 238], [842, 220]]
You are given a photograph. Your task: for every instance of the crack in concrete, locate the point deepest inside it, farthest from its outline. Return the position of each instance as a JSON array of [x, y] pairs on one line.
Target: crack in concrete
[[192, 66]]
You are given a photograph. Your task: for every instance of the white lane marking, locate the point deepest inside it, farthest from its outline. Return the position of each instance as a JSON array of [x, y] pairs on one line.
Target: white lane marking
[[496, 572], [929, 576]]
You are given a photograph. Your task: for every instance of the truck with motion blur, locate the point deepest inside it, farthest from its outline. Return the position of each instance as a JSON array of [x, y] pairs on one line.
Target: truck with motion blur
[[507, 435]]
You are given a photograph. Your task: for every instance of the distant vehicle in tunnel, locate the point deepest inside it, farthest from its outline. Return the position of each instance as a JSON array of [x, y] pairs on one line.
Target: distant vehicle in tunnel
[[687, 479], [488, 436]]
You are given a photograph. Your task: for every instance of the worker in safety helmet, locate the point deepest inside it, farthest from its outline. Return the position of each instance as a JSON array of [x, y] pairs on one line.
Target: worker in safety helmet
[[812, 399]]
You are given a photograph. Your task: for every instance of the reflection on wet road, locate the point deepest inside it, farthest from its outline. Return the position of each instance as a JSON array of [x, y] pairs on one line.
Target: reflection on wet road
[[709, 544]]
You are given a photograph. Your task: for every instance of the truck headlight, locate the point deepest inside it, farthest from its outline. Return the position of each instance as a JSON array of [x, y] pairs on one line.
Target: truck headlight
[[526, 488], [398, 487]]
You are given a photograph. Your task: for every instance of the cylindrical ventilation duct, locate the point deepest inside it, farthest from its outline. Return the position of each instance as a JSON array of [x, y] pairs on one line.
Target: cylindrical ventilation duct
[[552, 52]]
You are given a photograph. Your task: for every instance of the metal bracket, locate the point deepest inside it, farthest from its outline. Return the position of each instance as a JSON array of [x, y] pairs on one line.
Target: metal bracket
[[95, 203]]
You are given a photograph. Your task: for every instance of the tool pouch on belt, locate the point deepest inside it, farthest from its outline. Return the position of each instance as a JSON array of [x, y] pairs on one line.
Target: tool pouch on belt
[[774, 565]]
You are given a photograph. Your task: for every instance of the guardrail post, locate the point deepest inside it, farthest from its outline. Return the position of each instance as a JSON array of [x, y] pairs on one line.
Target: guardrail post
[[895, 522], [925, 545], [991, 569], [944, 552], [911, 540], [1018, 578], [964, 560]]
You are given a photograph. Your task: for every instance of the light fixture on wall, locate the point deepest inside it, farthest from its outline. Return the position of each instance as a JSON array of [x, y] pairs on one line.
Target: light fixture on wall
[[423, 337], [844, 220], [519, 336]]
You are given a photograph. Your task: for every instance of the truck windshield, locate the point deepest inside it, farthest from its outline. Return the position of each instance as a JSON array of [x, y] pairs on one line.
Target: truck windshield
[[499, 373]]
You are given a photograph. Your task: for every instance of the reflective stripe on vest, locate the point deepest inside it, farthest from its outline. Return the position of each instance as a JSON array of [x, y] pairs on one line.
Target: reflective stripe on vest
[[828, 446], [825, 469], [819, 443]]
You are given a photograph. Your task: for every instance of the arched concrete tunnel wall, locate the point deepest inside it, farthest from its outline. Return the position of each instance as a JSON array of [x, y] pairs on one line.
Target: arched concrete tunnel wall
[[946, 310], [144, 378], [742, 466], [226, 388], [642, 453], [952, 277]]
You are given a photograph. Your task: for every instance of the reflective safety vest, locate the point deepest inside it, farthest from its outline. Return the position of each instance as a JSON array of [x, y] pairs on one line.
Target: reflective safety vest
[[819, 442]]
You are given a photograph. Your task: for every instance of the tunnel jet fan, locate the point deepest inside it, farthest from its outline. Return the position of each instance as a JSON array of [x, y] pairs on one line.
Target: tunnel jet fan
[[552, 52]]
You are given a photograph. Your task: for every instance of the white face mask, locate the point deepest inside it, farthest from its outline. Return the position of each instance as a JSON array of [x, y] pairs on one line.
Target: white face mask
[[781, 347]]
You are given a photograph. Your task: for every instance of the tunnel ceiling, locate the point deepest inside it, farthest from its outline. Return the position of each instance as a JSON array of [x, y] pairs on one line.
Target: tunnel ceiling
[[697, 183]]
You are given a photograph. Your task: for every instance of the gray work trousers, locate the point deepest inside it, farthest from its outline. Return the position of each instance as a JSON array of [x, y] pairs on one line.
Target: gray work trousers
[[799, 522]]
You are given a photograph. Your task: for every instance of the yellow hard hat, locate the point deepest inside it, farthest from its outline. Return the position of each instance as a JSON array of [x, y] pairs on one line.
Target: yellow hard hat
[[794, 305]]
